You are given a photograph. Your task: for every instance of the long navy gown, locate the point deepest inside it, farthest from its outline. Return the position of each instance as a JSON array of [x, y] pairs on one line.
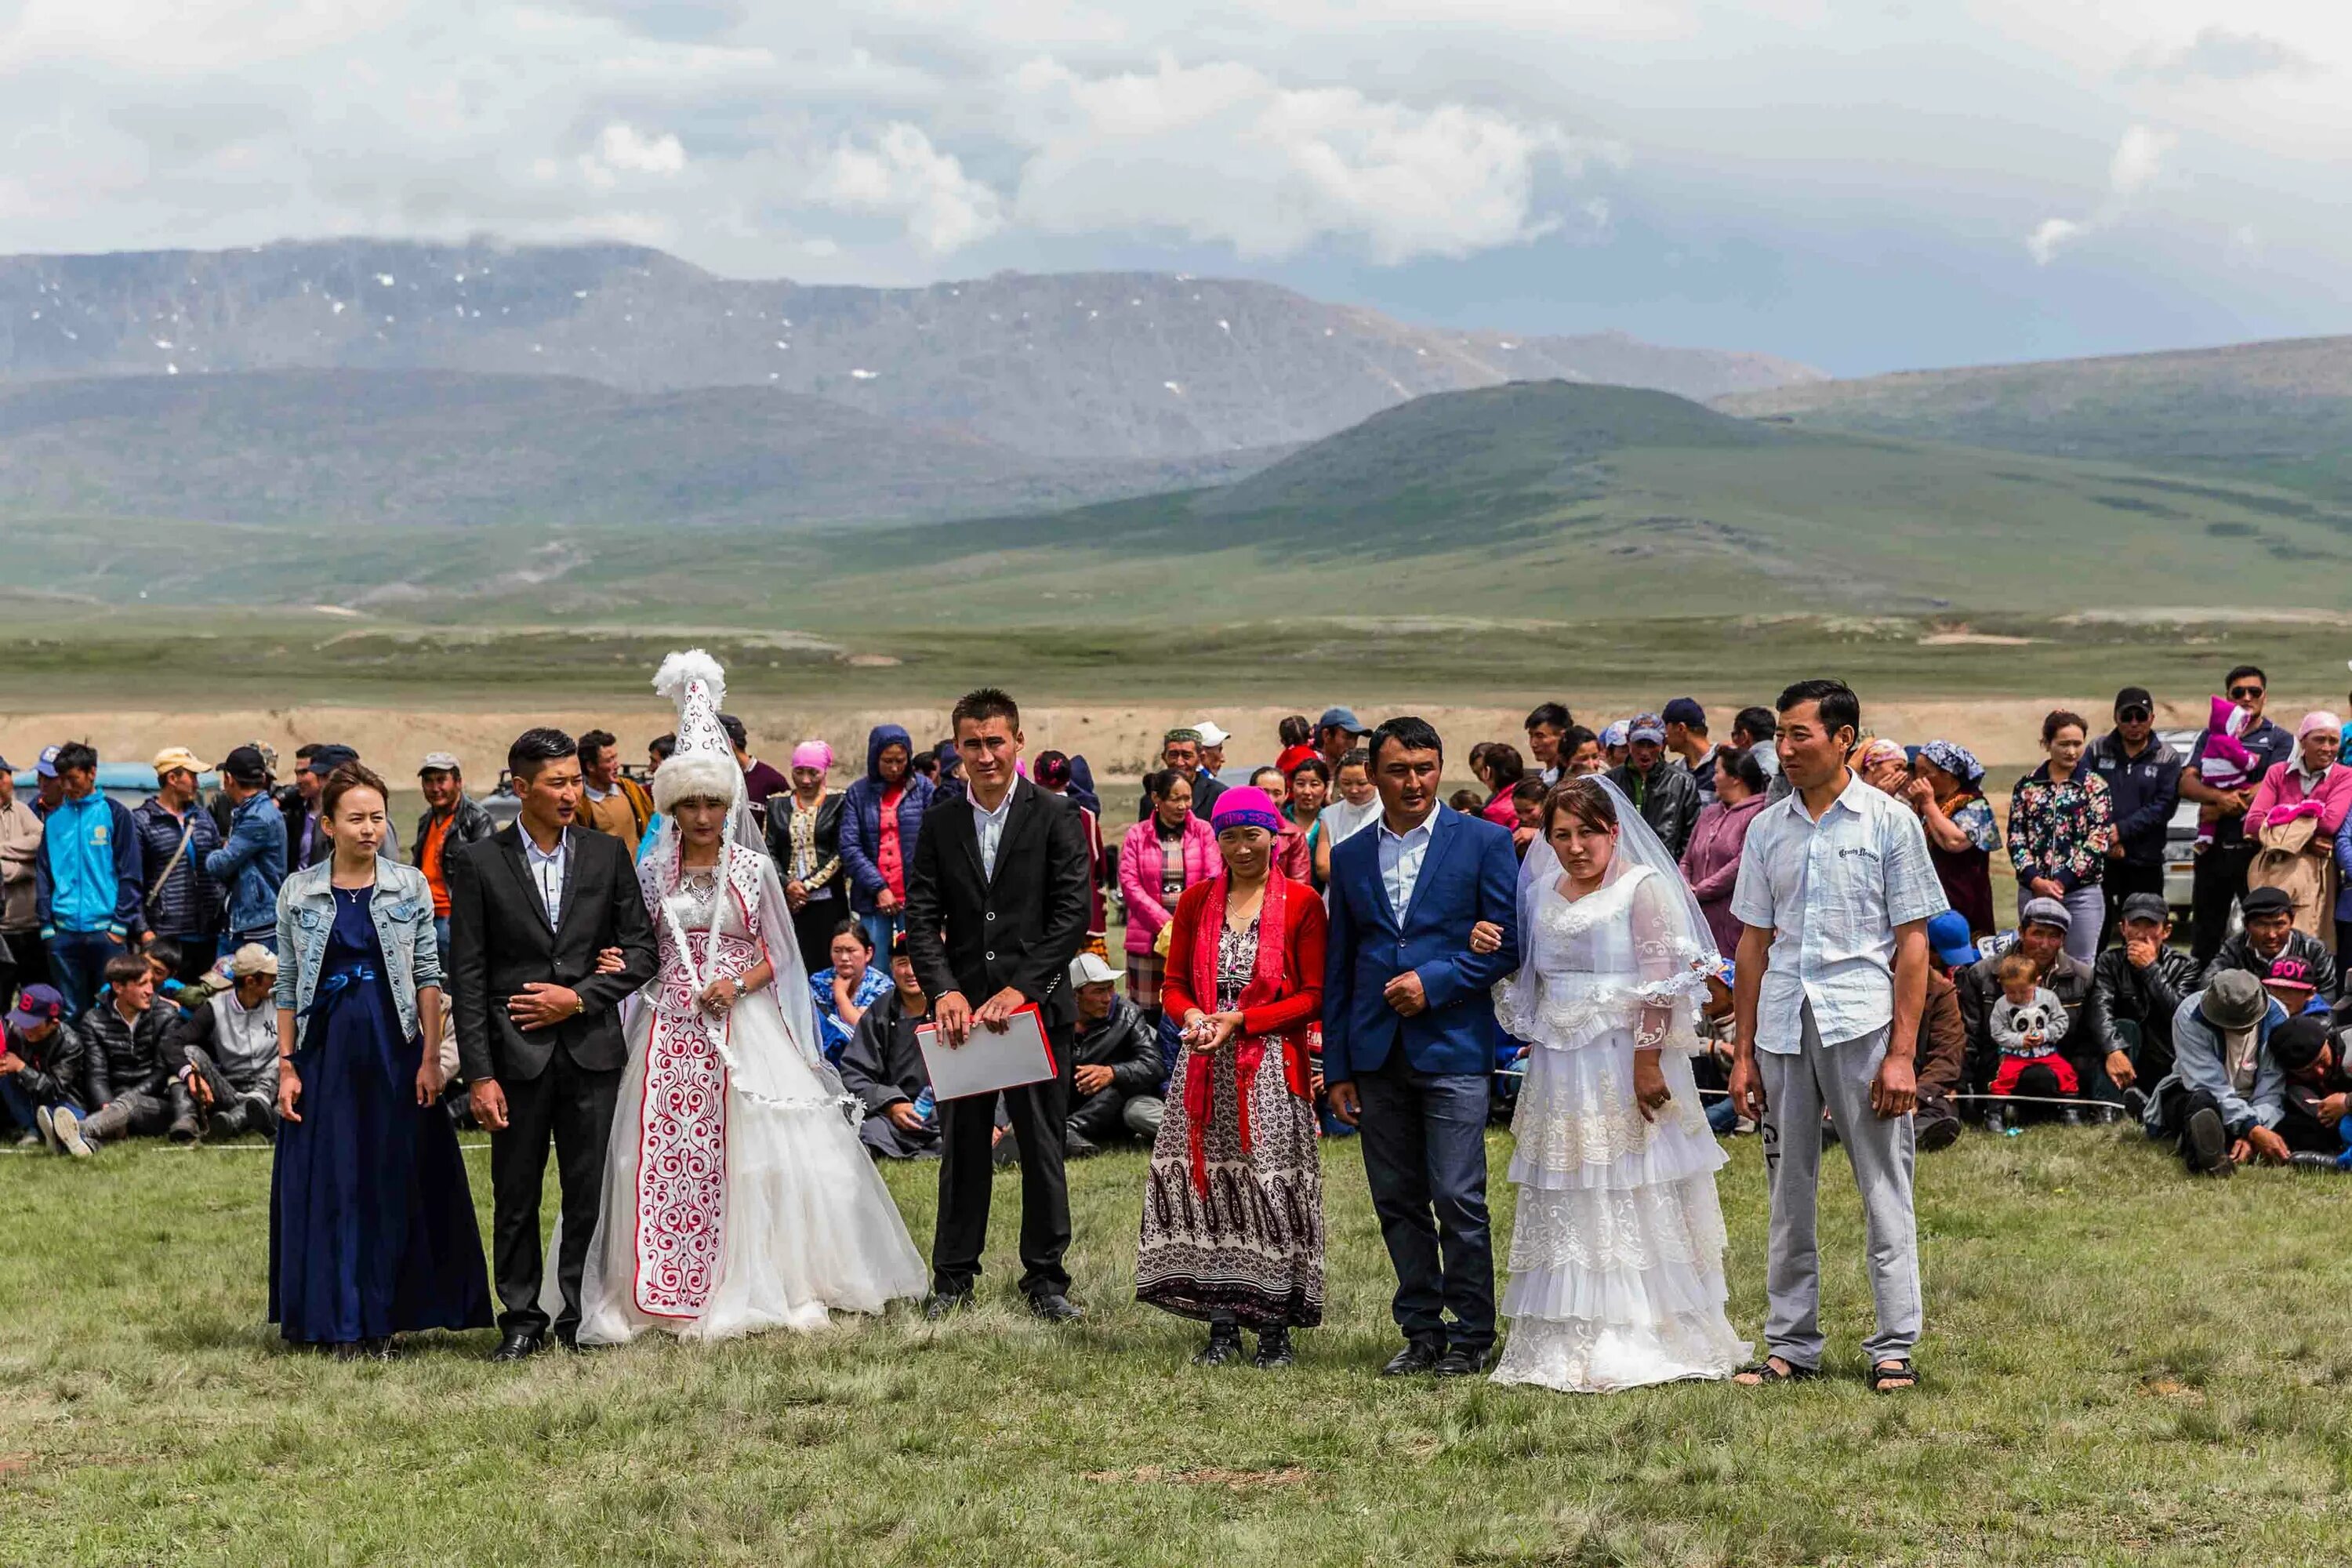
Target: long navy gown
[[371, 1224]]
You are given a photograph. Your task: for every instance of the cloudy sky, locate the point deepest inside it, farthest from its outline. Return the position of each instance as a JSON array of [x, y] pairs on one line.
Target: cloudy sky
[[1864, 186]]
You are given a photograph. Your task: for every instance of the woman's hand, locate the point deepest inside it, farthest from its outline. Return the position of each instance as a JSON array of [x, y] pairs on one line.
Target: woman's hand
[[1650, 1090], [289, 1090], [1212, 1030], [609, 960], [2049, 888], [1485, 937], [721, 995], [796, 896], [428, 1077]]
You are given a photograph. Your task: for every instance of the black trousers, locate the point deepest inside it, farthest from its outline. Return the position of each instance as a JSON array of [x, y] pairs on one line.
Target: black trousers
[[571, 1107], [2175, 1106], [2218, 881], [2122, 880], [1039, 1112], [1424, 1142]]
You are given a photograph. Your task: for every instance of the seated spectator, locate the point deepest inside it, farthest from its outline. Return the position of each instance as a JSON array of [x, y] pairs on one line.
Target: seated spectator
[[2300, 807], [1943, 1051], [1500, 770], [40, 1066], [2042, 938], [883, 1066], [2269, 936], [2135, 991], [2289, 983], [2226, 1095], [1660, 787], [126, 1067], [1119, 1067], [2027, 1023], [2318, 1093], [230, 1044], [844, 992]]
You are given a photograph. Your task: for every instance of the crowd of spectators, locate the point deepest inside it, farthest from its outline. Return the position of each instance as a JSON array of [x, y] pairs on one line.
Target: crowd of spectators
[[137, 942]]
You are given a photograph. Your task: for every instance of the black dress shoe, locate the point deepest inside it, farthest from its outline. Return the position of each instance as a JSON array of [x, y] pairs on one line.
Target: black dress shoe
[[1463, 1362], [520, 1344], [939, 1303], [1273, 1348], [1418, 1356], [1054, 1307], [1078, 1146]]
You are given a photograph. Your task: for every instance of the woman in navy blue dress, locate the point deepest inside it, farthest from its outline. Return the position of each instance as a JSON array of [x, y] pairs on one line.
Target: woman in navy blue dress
[[372, 1226]]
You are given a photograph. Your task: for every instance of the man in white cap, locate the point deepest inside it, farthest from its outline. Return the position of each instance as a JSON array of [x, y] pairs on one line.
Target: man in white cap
[[181, 903], [451, 821], [231, 1046], [1212, 748], [1118, 1067]]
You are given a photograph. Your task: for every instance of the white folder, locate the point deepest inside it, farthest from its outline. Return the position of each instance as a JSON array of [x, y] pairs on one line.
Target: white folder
[[987, 1060]]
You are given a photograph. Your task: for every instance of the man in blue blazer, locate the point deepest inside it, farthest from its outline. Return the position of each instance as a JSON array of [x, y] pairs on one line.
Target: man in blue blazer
[[1408, 1039]]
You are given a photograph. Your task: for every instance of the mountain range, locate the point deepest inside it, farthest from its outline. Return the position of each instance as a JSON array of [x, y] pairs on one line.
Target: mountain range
[[1090, 367]]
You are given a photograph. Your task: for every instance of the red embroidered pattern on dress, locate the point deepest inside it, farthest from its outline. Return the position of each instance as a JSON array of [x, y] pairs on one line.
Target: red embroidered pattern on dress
[[682, 1145]]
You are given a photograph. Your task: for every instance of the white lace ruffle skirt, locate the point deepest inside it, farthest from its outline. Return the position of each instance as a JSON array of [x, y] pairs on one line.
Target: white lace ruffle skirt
[[1578, 1125], [1618, 1288]]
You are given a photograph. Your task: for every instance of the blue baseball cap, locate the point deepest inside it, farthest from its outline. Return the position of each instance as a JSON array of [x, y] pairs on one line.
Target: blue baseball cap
[[1949, 938], [47, 766]]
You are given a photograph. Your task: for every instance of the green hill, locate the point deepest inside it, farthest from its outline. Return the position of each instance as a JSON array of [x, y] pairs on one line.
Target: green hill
[[2277, 413]]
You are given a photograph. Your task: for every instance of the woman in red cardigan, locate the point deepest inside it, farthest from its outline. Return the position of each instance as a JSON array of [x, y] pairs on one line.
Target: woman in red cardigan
[[1233, 1214]]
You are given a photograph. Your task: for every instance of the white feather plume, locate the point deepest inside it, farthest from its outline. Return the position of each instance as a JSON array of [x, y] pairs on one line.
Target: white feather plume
[[680, 668]]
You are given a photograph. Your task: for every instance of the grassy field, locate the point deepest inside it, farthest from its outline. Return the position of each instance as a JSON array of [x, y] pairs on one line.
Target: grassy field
[[2122, 1366]]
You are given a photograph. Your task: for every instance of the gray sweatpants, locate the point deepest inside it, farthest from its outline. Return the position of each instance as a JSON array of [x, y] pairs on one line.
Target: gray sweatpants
[[1797, 1089]]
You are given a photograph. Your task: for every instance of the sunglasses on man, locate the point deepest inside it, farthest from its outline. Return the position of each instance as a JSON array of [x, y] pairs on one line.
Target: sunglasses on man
[[2133, 715], [2239, 693]]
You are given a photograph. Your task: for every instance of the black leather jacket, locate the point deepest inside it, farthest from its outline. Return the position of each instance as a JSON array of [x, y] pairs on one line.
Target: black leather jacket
[[122, 1058], [2069, 980], [1669, 800], [468, 824], [1127, 1042], [53, 1068], [2148, 997]]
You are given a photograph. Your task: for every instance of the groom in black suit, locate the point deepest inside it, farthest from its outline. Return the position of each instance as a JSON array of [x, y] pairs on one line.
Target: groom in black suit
[[997, 905], [539, 1030]]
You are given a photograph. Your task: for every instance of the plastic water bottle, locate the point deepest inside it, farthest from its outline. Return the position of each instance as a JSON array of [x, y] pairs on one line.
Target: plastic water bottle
[[925, 1106]]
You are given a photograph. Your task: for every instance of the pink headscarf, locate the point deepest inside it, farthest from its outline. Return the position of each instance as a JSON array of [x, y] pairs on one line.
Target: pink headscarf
[[813, 754], [2320, 719]]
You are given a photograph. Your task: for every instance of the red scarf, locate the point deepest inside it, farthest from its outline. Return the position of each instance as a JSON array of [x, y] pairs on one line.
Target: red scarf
[[1265, 987]]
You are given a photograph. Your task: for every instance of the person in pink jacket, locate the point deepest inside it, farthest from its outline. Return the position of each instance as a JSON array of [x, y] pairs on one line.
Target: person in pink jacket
[[1711, 858], [2314, 784], [1160, 857]]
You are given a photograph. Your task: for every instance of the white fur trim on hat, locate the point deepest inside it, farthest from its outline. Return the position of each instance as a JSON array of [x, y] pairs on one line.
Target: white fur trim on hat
[[704, 766], [695, 776]]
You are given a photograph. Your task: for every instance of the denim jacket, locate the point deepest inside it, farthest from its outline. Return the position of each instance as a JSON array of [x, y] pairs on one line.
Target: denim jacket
[[250, 865], [402, 911]]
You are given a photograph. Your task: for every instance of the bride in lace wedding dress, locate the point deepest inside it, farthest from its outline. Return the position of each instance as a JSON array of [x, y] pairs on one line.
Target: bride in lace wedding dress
[[1616, 1258]]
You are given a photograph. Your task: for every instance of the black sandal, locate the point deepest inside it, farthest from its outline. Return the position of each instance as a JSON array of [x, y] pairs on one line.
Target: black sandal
[[1757, 1374], [1894, 1376]]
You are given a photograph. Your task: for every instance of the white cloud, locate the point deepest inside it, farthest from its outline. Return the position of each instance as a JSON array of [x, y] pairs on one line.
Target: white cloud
[[1223, 152], [631, 151], [2136, 164], [902, 174]]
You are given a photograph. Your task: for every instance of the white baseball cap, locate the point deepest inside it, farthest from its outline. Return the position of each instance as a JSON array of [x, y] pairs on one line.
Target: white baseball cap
[[1091, 969], [1210, 734]]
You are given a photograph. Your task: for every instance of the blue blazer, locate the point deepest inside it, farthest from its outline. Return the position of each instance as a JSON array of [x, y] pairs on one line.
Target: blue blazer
[[1469, 873]]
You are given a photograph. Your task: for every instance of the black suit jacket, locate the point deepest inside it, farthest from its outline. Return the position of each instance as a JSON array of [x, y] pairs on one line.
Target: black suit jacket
[[499, 941], [972, 933]]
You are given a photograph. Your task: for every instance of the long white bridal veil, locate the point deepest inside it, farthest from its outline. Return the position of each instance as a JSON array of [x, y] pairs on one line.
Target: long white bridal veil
[[1673, 945]]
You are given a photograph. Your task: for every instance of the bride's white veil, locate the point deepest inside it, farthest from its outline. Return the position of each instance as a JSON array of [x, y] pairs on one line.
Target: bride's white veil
[[1674, 946]]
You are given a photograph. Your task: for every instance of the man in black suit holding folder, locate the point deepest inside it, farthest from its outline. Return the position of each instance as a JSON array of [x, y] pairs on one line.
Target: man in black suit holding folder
[[997, 906], [539, 1029]]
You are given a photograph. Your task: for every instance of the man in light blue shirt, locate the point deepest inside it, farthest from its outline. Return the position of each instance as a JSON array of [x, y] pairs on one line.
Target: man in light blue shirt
[[1835, 891]]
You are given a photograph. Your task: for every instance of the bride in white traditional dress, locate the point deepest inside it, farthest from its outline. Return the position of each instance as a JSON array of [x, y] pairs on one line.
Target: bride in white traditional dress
[[1616, 1258], [737, 1196]]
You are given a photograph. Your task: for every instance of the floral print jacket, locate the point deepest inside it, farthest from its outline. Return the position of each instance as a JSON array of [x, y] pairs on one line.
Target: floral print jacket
[[2061, 831]]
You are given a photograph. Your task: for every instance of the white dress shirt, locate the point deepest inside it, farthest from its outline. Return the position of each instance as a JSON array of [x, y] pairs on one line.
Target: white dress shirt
[[1400, 857], [987, 826], [548, 868], [1832, 892]]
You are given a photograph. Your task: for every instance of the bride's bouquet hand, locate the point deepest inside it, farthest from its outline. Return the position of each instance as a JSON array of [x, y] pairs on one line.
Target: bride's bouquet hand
[[1485, 937]]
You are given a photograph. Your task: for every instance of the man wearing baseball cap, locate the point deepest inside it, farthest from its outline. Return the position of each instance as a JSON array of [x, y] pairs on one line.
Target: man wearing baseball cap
[[1660, 787], [2141, 984], [231, 1044], [1212, 748], [22, 961], [1118, 1062], [176, 836], [1335, 734], [40, 1066], [2225, 1094], [251, 862], [1686, 726], [2143, 776], [451, 821], [2269, 936]]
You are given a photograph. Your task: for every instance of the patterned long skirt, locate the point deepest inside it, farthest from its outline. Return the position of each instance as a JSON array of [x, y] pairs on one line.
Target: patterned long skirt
[[1252, 1247]]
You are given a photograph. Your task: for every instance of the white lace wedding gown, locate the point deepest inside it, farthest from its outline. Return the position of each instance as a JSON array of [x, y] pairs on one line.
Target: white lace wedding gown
[[737, 1196], [1616, 1256]]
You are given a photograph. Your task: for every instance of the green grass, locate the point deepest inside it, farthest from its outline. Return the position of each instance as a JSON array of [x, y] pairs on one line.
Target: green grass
[[2122, 1365]]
